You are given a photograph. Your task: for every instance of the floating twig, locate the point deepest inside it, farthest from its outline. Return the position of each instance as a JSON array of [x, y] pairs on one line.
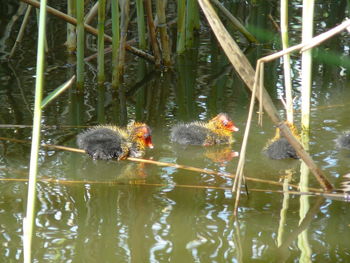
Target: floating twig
[[165, 164]]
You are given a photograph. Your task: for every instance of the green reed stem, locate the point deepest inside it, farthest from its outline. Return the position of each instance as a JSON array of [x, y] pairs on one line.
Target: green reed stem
[[101, 42], [141, 27], [28, 223], [38, 19], [164, 37], [124, 23], [286, 61], [306, 64], [152, 32], [115, 42], [71, 42], [191, 17], [80, 44], [181, 23]]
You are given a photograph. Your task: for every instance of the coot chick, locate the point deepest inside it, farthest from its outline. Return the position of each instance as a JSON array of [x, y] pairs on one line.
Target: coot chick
[[343, 141], [107, 141], [279, 148], [216, 131]]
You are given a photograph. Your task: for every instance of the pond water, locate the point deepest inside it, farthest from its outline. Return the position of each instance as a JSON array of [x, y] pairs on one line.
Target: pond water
[[106, 211]]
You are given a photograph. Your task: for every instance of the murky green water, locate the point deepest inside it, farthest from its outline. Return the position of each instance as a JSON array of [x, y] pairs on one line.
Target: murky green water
[[102, 211]]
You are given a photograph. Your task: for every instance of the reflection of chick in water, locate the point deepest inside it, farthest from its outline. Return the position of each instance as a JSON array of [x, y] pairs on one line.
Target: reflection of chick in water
[[119, 172], [220, 154], [199, 156]]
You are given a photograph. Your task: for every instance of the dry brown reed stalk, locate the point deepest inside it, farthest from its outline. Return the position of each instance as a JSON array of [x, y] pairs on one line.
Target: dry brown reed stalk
[[89, 29], [239, 172], [152, 32], [164, 164]]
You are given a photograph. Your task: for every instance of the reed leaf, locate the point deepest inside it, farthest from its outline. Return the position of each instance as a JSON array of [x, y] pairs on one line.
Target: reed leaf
[[58, 91]]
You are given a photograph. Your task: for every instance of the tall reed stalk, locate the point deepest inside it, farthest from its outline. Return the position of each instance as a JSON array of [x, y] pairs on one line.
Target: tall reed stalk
[[80, 44], [164, 37], [192, 21], [152, 32], [289, 110], [141, 27], [306, 64], [71, 42], [28, 223], [101, 42], [286, 61], [115, 42], [124, 23], [181, 23]]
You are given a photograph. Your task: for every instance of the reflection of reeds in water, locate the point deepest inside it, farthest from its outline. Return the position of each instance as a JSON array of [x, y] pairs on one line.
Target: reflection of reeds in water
[[345, 185]]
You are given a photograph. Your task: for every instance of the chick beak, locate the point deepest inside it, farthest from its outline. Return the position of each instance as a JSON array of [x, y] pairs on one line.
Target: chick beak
[[149, 142]]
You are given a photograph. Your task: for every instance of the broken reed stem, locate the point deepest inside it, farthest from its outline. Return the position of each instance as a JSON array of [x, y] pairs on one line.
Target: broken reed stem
[[235, 22], [21, 31], [89, 29], [239, 173], [92, 13], [178, 166]]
